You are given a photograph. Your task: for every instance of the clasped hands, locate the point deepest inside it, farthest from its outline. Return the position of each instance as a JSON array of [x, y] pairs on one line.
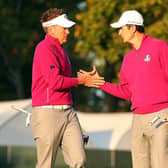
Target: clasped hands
[[90, 79]]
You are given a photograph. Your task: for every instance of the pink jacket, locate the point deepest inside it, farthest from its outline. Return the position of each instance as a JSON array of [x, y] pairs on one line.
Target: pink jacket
[[144, 77], [51, 77]]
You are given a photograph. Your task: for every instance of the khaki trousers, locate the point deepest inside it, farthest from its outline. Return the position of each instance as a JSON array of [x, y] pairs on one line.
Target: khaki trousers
[[149, 144], [53, 128]]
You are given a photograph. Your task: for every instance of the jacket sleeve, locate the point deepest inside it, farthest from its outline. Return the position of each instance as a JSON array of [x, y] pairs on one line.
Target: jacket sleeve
[[120, 90], [51, 70]]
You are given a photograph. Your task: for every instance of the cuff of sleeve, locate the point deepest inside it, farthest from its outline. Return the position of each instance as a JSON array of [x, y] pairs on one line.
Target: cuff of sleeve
[[75, 82], [102, 86]]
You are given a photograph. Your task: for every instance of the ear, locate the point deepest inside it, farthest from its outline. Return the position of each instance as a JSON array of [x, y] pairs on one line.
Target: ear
[[46, 29], [133, 28], [50, 29]]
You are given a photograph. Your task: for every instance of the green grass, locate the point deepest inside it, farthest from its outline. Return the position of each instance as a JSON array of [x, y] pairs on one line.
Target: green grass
[[25, 157]]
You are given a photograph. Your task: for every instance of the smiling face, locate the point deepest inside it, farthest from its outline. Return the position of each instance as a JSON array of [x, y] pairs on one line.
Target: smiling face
[[59, 33], [127, 33]]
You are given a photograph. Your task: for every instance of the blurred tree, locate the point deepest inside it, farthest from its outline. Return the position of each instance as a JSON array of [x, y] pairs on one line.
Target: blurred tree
[[101, 45], [20, 31]]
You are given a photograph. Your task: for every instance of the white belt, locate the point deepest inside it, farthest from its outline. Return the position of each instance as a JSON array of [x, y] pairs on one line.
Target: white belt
[[59, 107]]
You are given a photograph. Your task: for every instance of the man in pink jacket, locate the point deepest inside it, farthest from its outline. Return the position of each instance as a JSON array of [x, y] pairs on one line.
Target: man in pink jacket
[[53, 121], [144, 81]]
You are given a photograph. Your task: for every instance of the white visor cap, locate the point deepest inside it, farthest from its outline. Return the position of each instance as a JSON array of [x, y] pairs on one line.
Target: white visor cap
[[61, 20], [131, 17]]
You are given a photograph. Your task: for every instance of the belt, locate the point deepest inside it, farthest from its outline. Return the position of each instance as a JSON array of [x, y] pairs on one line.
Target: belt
[[59, 107]]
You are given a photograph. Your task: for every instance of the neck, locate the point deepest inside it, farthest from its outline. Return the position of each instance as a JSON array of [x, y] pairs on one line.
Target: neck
[[136, 42], [51, 34]]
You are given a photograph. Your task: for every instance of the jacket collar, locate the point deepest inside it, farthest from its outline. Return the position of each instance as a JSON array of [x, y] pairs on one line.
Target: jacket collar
[[52, 40]]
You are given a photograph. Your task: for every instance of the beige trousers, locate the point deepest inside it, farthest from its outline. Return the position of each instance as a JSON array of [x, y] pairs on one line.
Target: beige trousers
[[53, 128], [149, 144]]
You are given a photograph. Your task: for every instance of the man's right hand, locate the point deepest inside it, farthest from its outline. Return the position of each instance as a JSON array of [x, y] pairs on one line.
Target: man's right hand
[[90, 79]]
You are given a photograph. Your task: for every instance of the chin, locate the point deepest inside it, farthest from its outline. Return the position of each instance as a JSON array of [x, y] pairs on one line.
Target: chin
[[63, 42]]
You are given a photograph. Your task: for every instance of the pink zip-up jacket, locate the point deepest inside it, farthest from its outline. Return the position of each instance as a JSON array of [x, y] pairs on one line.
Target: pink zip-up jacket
[[51, 77], [144, 77]]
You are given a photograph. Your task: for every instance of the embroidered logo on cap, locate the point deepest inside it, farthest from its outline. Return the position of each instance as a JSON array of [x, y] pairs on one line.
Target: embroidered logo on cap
[[147, 58]]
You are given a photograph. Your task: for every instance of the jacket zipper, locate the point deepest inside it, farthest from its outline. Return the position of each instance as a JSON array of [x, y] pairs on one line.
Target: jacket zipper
[[47, 96]]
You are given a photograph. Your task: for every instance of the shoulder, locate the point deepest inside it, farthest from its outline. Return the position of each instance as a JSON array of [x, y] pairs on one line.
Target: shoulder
[[41, 45], [41, 50], [157, 42]]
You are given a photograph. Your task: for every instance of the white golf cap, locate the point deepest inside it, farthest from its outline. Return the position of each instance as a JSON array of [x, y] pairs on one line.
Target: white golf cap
[[132, 17], [61, 20]]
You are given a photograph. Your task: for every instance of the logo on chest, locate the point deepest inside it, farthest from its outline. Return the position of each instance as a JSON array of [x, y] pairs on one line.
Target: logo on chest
[[147, 58]]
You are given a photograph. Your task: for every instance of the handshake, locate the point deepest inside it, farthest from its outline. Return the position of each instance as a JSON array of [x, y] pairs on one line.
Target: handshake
[[90, 79]]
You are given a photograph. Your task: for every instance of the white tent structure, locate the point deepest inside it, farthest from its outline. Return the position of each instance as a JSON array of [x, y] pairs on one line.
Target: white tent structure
[[106, 131], [13, 131]]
